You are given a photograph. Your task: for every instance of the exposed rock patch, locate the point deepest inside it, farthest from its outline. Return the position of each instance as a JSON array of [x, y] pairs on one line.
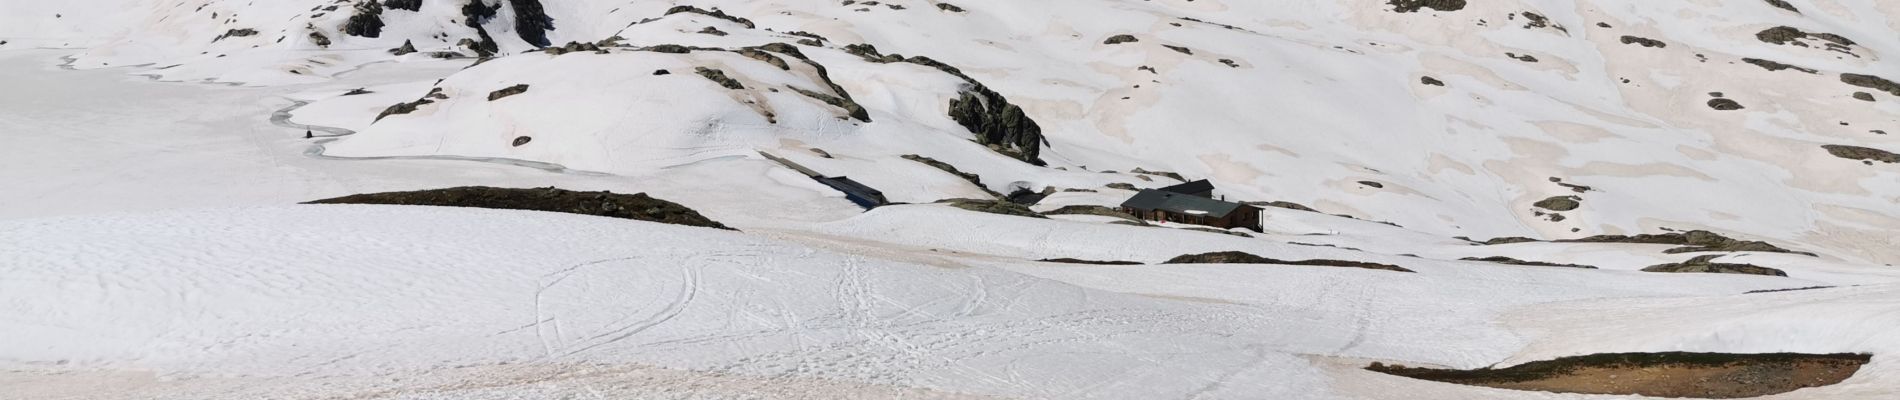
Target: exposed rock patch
[[1513, 261], [1643, 41], [1872, 82], [1725, 104], [719, 77], [1676, 374], [993, 207], [1119, 39], [1560, 203], [507, 91], [1236, 257], [604, 204], [1406, 6], [1087, 262], [1776, 66], [1706, 264], [1865, 154]]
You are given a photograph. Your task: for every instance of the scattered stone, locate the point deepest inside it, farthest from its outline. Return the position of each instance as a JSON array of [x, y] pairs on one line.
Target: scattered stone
[[1374, 185], [1431, 81], [605, 204], [1119, 39], [1783, 4], [523, 140], [1706, 264], [712, 31], [1179, 49], [406, 5], [1236, 257], [1864, 96], [949, 7], [1725, 105]]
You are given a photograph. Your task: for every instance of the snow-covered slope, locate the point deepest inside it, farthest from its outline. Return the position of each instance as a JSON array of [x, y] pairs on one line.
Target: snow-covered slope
[[1761, 120]]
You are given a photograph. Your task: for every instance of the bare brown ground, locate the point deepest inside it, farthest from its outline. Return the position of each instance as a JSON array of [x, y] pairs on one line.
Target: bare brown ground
[[1700, 375]]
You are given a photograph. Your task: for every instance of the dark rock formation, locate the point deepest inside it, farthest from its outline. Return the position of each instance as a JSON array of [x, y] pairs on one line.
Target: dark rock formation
[[408, 5], [1725, 104], [1091, 210], [1863, 96], [605, 204], [1560, 203], [1706, 264], [1513, 261], [1406, 6], [1119, 39], [409, 107], [994, 207], [1645, 42], [720, 14], [1783, 4], [1431, 81], [998, 124], [532, 22], [719, 77], [1776, 66], [1872, 82], [949, 7], [952, 169], [1867, 154], [1236, 257], [507, 91], [235, 33], [521, 141], [367, 22], [406, 49]]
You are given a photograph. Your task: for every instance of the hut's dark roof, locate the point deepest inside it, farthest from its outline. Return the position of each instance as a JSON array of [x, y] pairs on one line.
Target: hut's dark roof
[[1178, 203], [1200, 186]]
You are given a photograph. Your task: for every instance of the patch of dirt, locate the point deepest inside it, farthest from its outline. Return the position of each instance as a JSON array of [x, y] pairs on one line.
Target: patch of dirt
[[1236, 257], [636, 206], [1676, 374]]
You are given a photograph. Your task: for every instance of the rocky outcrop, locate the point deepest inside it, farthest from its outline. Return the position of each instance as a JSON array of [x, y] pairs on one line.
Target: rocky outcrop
[[1872, 82], [1406, 6], [409, 107], [1513, 261], [1783, 4], [994, 207], [1236, 257], [407, 5], [1119, 39], [1001, 126], [604, 204], [1560, 203], [1643, 41], [718, 76], [507, 91], [367, 22], [532, 22], [1725, 105], [1707, 265], [720, 14], [998, 124], [1776, 66], [407, 48], [952, 169], [1867, 154]]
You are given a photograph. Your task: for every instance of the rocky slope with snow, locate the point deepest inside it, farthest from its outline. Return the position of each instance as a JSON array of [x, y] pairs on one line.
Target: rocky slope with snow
[[1434, 125]]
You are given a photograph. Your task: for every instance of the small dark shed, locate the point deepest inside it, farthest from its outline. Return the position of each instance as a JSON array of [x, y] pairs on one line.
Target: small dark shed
[[1158, 205], [858, 193]]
